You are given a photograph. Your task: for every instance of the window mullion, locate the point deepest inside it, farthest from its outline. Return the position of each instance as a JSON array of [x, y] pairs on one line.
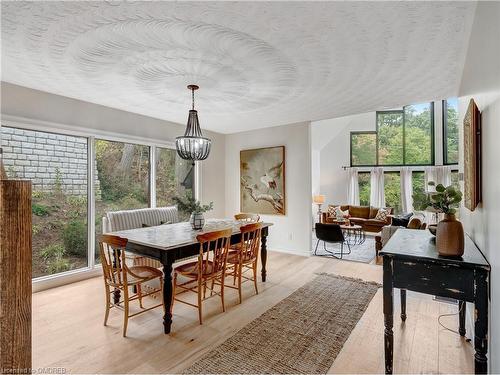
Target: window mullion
[[91, 201], [152, 176]]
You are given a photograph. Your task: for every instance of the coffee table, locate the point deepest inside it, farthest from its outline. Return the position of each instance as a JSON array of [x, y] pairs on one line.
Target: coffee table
[[354, 234]]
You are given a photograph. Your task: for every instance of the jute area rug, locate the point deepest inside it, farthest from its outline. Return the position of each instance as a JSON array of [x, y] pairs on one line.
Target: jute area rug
[[302, 334]]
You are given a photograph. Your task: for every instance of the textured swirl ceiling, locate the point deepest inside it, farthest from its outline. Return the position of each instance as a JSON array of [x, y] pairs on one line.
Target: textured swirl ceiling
[[258, 64]]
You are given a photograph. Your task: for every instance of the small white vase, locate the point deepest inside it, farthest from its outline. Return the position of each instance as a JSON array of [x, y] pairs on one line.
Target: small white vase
[[197, 220]]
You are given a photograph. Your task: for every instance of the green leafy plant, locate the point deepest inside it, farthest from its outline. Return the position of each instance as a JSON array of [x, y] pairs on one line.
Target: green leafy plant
[[40, 209], [445, 199], [54, 256], [74, 236], [188, 203]]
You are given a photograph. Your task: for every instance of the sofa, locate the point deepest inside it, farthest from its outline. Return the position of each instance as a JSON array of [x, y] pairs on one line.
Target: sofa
[[361, 215], [387, 231]]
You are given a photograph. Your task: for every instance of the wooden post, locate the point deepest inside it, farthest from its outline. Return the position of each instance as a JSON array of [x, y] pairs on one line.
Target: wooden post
[[15, 276]]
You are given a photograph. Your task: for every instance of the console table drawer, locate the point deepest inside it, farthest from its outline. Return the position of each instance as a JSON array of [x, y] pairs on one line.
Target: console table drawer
[[439, 279]]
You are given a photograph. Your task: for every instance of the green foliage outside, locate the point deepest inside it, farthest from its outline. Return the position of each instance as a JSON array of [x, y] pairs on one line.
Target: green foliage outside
[[392, 187], [452, 131], [364, 146], [74, 236], [364, 188], [54, 256], [40, 209]]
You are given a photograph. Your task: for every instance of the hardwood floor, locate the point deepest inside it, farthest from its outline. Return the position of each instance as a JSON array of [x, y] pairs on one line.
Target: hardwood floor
[[68, 329]]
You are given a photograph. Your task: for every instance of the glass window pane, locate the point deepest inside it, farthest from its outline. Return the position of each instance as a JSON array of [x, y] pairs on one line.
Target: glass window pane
[[122, 179], [364, 188], [390, 137], [392, 187], [419, 193], [450, 119], [174, 177], [57, 166], [363, 149], [418, 134]]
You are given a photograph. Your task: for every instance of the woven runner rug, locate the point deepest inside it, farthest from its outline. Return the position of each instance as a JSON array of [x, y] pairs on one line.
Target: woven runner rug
[[302, 334]]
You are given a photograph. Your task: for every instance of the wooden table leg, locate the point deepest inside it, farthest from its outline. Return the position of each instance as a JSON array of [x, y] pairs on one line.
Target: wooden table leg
[[461, 317], [403, 305], [481, 324], [263, 255], [167, 296], [388, 315]]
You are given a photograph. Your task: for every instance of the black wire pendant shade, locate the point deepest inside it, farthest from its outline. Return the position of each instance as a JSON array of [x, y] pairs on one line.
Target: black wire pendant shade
[[193, 146]]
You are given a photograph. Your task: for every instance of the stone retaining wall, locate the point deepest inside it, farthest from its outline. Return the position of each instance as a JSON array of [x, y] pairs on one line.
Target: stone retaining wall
[[49, 160]]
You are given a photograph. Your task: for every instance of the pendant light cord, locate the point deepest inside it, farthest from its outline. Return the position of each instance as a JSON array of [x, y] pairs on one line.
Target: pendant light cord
[[192, 95]]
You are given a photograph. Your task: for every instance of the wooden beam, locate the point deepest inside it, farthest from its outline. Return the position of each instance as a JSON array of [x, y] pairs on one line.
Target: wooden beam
[[15, 276]]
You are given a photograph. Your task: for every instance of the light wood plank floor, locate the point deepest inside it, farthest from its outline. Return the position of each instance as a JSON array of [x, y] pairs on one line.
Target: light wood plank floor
[[68, 330]]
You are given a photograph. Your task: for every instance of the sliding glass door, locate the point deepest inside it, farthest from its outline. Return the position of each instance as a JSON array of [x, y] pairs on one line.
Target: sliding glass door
[[122, 174]]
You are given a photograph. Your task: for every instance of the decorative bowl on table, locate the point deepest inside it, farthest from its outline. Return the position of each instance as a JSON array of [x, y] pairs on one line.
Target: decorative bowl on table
[[433, 229]]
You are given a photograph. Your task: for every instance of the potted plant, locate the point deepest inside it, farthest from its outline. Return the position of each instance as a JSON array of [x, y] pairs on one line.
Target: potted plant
[[450, 232], [188, 203]]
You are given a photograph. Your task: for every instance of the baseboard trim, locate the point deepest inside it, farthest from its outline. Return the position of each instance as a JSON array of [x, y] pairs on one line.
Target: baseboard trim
[[286, 251]]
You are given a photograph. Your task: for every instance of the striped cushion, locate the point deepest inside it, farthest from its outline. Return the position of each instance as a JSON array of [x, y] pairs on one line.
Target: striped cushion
[[130, 219]]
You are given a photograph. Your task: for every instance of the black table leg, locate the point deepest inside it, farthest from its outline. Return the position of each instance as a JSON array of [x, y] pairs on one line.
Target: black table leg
[[481, 324], [263, 255], [388, 314], [461, 317], [116, 264], [403, 305], [167, 296]]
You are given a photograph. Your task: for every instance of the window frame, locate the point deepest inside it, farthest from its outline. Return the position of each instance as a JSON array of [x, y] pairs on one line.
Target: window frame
[[376, 132], [92, 269], [354, 133], [444, 109]]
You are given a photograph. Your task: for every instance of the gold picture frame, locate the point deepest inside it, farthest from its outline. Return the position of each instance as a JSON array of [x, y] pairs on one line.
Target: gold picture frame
[[472, 156], [262, 181]]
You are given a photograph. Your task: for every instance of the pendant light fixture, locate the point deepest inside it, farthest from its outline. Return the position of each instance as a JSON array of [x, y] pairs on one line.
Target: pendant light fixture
[[193, 146]]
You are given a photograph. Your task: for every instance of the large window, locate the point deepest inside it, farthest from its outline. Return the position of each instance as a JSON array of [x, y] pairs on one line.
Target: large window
[[450, 131], [403, 137], [390, 137], [57, 166], [122, 179], [174, 176], [363, 148], [364, 188], [392, 188], [418, 134]]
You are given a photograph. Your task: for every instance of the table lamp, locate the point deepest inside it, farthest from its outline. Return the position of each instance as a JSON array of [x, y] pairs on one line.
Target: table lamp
[[319, 200]]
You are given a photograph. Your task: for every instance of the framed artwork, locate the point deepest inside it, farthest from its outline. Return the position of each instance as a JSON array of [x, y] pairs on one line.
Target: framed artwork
[[472, 156], [262, 179]]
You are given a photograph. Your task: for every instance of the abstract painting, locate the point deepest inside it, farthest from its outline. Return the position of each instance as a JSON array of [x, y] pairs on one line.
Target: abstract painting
[[262, 178]]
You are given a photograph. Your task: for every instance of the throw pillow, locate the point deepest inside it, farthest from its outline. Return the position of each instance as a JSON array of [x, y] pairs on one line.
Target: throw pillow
[[331, 210], [382, 214], [340, 215]]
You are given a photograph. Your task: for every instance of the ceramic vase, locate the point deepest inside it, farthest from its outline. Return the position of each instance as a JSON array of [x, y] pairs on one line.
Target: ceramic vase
[[197, 220], [450, 237]]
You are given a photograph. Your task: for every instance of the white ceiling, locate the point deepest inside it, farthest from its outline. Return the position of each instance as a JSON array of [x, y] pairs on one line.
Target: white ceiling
[[258, 64]]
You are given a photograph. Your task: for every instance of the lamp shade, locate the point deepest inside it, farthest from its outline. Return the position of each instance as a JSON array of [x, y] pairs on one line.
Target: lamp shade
[[319, 199]]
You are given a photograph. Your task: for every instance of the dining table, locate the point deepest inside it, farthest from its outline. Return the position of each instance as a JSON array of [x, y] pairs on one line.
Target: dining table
[[170, 243]]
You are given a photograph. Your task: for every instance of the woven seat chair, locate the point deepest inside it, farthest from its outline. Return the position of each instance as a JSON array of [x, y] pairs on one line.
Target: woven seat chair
[[119, 278], [206, 272], [244, 257]]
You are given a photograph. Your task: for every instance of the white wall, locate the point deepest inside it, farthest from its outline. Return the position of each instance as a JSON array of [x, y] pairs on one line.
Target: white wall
[[291, 232], [331, 139], [481, 81], [67, 113]]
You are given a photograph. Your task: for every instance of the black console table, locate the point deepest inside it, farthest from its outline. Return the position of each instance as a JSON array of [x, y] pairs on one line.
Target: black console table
[[411, 262]]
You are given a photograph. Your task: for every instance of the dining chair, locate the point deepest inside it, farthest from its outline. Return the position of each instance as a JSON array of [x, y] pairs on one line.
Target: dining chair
[[244, 257], [247, 218], [206, 272], [331, 233], [119, 277]]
